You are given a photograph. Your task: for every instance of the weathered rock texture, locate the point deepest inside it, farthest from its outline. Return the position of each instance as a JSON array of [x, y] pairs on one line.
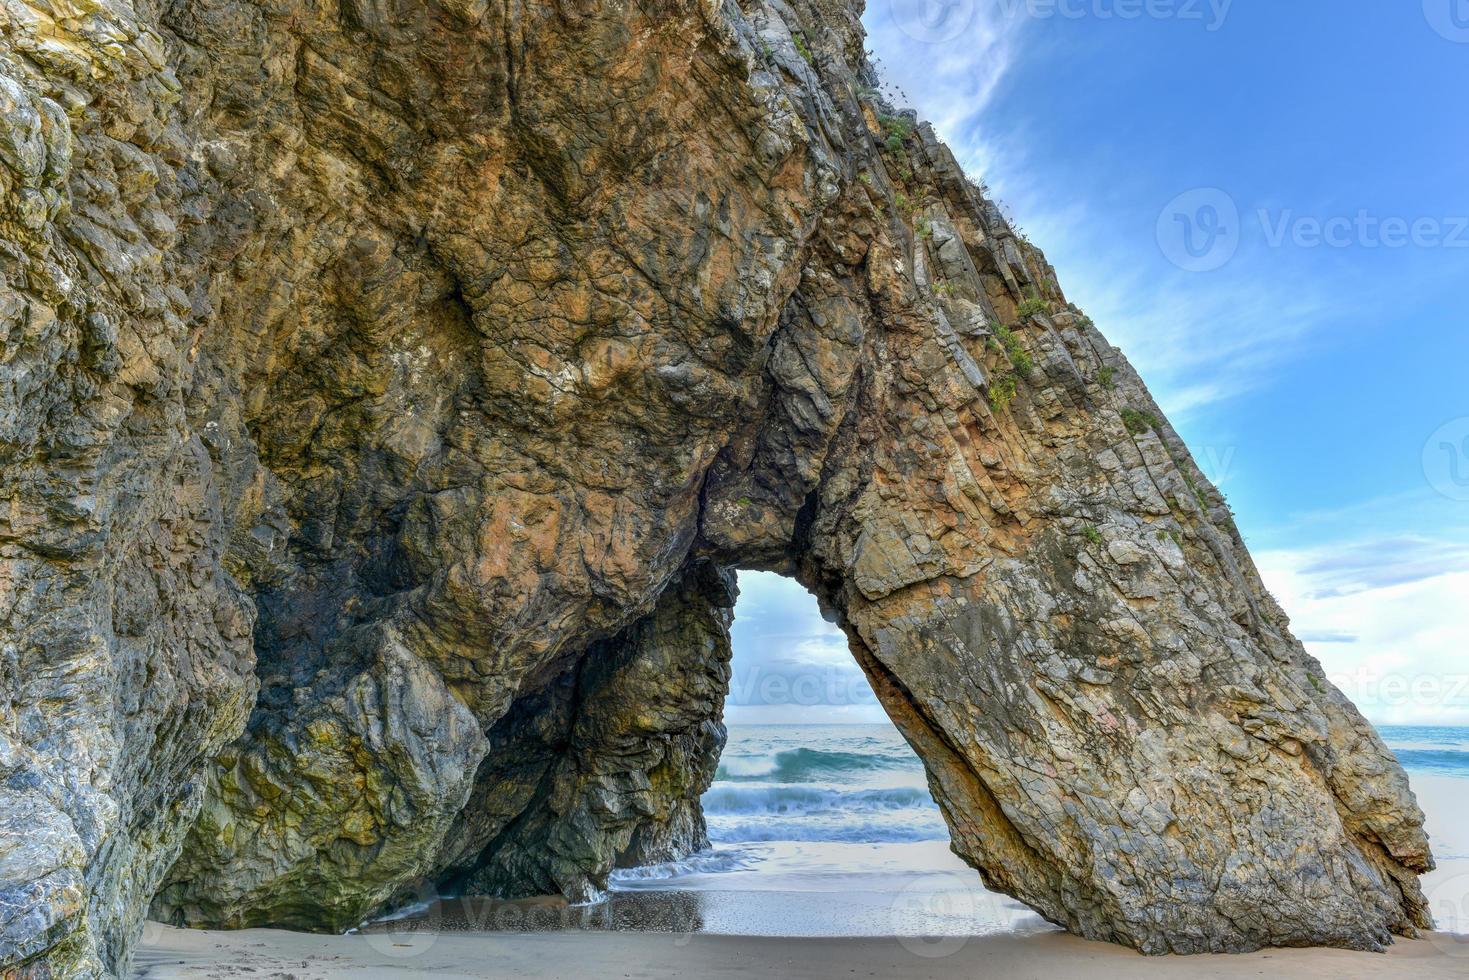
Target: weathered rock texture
[[420, 365], [603, 766]]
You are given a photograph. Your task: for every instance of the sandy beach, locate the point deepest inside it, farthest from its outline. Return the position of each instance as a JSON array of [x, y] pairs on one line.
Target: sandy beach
[[175, 953], [938, 926]]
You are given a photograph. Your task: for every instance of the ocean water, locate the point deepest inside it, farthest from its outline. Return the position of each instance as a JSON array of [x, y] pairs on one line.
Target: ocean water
[[824, 831], [813, 807], [1429, 750], [830, 831], [846, 808]]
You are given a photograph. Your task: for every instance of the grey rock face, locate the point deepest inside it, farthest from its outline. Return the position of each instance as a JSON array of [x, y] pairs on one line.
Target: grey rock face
[[622, 780], [421, 366], [316, 824], [125, 654]]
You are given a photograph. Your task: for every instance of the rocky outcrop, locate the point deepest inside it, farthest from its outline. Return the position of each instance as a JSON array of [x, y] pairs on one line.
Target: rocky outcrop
[[125, 654], [422, 366], [621, 782], [319, 826], [313, 823]]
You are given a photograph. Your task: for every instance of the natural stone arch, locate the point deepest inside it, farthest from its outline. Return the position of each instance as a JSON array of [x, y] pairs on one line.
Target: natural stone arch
[[1111, 709], [437, 356]]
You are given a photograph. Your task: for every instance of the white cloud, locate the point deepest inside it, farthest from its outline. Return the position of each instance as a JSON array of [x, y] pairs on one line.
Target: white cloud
[[1199, 339], [946, 59], [790, 665], [1386, 619]]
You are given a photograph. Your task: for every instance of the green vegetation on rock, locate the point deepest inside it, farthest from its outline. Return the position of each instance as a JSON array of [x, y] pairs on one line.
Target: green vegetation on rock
[[1138, 422], [1032, 305], [800, 42]]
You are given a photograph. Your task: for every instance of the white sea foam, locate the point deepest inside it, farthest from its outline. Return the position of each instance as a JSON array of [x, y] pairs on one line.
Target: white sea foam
[[702, 863]]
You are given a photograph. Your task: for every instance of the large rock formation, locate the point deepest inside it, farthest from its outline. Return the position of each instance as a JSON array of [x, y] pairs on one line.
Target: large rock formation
[[387, 385]]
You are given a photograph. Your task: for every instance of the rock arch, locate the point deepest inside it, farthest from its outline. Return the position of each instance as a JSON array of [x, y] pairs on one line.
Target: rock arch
[[423, 365]]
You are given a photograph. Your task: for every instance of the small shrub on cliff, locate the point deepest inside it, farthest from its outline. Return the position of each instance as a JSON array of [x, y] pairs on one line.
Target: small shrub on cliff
[[1006, 340], [1108, 377], [1002, 392], [900, 126], [895, 130], [800, 40], [1031, 306], [1139, 422], [1093, 535]]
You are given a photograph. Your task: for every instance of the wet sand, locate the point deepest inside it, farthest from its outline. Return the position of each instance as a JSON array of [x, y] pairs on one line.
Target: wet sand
[[852, 933], [260, 953]]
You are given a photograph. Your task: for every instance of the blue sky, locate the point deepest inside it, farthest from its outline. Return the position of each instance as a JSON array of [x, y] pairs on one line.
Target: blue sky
[[1265, 205]]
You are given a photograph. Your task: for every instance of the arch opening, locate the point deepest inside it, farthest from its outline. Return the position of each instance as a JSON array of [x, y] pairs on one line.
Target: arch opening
[[819, 816]]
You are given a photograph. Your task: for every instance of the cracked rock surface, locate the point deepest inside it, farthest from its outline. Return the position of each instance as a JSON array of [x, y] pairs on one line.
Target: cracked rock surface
[[387, 391]]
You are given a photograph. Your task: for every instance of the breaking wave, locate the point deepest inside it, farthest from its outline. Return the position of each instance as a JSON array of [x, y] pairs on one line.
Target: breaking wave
[[805, 765]]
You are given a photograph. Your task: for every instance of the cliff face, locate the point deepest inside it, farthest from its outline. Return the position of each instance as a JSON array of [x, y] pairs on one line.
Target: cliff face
[[387, 388]]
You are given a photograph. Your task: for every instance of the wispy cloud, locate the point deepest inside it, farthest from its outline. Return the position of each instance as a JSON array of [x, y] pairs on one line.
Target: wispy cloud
[[944, 59], [1198, 339], [1385, 617], [1418, 514], [1197, 342], [791, 666], [1367, 566]]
